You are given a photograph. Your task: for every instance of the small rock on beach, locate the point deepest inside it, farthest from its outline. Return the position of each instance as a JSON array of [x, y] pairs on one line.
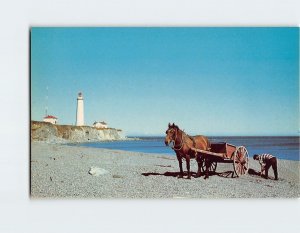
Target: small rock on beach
[[97, 171]]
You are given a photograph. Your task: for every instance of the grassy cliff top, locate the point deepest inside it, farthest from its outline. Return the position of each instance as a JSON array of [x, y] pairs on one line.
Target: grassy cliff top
[[38, 124]]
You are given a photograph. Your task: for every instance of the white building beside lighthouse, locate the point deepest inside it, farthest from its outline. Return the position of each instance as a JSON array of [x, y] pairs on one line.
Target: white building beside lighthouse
[[80, 110], [100, 125], [50, 119]]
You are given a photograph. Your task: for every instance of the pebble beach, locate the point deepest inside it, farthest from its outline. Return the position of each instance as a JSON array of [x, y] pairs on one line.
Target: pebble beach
[[63, 171]]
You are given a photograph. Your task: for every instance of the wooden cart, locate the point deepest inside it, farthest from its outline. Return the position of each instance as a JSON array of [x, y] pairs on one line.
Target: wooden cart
[[223, 152]]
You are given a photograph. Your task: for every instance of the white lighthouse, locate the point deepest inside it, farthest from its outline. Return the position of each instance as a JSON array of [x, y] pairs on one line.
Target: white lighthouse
[[80, 113]]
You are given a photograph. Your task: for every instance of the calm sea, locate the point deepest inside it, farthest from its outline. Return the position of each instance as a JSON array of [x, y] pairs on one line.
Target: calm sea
[[281, 147]]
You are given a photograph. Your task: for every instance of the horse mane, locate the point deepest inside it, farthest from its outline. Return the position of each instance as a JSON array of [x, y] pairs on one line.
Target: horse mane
[[182, 131]]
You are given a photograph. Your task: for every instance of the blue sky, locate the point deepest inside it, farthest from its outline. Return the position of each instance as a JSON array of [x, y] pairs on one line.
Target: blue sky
[[211, 81]]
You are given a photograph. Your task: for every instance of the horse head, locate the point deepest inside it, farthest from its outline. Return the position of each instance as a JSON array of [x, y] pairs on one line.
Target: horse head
[[171, 134]]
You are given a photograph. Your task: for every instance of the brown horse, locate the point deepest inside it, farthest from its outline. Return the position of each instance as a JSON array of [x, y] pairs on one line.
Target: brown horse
[[182, 144]]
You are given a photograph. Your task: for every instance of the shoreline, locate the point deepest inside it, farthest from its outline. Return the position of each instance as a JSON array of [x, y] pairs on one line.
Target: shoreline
[[287, 154], [62, 171]]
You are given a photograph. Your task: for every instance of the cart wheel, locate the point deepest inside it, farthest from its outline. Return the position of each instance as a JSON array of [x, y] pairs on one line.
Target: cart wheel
[[241, 161], [212, 168]]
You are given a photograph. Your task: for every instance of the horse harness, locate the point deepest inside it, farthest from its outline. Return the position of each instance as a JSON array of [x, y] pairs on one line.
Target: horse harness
[[183, 141]]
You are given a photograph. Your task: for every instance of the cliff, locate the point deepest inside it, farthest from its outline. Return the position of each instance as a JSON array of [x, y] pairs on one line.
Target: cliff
[[43, 131]]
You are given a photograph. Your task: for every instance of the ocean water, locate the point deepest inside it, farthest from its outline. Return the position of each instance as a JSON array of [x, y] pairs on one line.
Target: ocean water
[[281, 147]]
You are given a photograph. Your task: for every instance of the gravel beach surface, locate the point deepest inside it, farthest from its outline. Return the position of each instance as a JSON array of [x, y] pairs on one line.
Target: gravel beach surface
[[62, 171]]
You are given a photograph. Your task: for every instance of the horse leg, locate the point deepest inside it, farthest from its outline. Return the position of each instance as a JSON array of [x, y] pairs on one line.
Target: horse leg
[[188, 166], [200, 162], [207, 165], [180, 166]]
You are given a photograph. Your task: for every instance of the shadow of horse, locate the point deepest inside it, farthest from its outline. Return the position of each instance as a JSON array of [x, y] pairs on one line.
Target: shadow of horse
[[225, 174], [173, 174], [176, 174]]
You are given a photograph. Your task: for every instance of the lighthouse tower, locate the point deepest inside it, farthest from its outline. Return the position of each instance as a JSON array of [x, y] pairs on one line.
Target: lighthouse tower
[[79, 113]]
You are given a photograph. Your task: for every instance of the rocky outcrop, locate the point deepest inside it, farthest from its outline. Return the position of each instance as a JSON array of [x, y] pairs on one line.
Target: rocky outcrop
[[43, 131]]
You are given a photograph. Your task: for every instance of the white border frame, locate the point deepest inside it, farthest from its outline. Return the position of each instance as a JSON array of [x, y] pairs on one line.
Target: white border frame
[[18, 213]]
